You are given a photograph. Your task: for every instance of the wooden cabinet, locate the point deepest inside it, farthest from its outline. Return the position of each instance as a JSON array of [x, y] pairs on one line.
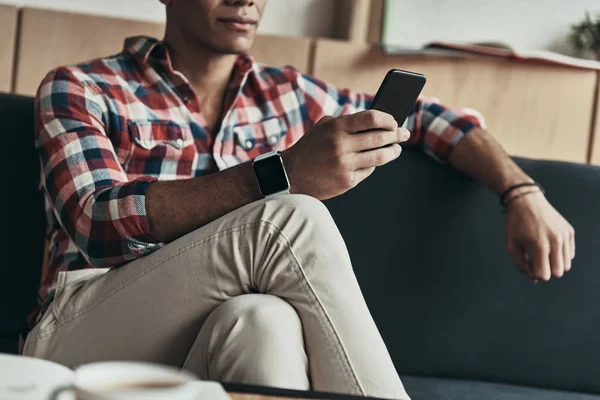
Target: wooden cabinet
[[595, 139], [534, 110], [8, 36]]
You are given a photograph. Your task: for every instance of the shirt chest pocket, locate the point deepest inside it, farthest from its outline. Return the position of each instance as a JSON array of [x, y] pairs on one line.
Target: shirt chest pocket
[[252, 140], [161, 148]]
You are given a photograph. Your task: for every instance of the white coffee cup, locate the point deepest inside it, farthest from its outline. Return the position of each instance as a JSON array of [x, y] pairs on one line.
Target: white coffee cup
[[129, 381]]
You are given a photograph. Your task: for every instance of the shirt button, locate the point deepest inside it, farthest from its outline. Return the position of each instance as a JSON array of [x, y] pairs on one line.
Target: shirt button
[[180, 142], [248, 144], [272, 140]]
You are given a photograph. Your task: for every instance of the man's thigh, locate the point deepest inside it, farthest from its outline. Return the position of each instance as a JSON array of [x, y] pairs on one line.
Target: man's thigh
[[153, 308]]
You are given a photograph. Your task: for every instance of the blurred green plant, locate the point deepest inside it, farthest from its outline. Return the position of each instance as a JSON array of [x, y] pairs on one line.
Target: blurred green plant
[[585, 36]]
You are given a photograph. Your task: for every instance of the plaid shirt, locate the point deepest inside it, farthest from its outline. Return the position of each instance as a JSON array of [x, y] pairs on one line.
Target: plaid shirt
[[108, 128]]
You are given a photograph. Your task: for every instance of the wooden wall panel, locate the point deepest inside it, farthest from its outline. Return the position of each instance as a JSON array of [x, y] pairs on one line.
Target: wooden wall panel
[[595, 159], [359, 20], [353, 19], [8, 36], [53, 38], [534, 110], [284, 50], [376, 21]]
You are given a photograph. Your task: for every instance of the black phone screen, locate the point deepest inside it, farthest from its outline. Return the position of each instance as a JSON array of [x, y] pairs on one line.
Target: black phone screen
[[398, 93]]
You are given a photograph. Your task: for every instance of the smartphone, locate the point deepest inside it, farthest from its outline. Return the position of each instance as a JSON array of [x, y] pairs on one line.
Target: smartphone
[[398, 93]]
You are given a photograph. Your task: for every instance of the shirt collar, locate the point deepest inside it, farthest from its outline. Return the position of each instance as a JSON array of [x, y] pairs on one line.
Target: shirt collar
[[145, 49], [141, 47]]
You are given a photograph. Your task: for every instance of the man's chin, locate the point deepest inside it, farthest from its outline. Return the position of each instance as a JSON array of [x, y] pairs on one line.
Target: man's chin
[[238, 46]]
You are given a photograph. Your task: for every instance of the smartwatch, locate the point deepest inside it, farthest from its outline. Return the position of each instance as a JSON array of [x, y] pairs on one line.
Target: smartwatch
[[270, 174]]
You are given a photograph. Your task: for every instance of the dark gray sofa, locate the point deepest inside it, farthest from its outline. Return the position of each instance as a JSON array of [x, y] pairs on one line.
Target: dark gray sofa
[[428, 250]]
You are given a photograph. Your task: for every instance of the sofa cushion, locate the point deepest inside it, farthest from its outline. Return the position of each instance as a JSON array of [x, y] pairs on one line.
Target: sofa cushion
[[427, 245], [422, 388]]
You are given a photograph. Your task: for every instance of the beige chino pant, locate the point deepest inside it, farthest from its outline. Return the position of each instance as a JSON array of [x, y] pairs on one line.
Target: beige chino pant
[[264, 295]]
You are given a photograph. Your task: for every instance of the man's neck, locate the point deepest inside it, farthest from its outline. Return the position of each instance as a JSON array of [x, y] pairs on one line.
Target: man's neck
[[207, 71]]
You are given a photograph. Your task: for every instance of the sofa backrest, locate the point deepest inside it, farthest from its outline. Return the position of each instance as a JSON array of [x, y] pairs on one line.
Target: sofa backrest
[[23, 219], [427, 245]]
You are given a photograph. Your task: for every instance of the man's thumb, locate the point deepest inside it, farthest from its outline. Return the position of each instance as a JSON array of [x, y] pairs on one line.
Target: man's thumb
[[324, 119]]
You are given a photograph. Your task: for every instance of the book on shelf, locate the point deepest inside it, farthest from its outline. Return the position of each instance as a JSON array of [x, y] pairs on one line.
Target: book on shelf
[[494, 49]]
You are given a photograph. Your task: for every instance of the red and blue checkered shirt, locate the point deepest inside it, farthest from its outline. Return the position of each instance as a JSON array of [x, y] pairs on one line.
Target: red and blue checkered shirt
[[108, 128]]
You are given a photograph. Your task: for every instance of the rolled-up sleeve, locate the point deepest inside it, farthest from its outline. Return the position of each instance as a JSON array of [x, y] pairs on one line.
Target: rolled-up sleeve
[[438, 129], [102, 211]]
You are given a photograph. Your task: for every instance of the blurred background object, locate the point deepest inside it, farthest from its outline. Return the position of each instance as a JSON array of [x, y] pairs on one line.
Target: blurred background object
[[585, 36], [521, 25]]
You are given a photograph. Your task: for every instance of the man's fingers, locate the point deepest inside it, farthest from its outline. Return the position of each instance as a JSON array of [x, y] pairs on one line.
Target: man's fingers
[[518, 257], [557, 261], [366, 121], [364, 173], [567, 255], [521, 260], [377, 157], [376, 139], [540, 263], [572, 242]]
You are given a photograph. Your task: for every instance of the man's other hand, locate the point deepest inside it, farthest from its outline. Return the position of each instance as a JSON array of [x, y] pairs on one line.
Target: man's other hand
[[338, 153], [540, 241]]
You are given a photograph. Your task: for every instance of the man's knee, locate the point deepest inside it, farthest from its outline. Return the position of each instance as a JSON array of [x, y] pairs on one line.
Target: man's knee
[[300, 203], [255, 339], [297, 211], [259, 314], [283, 212]]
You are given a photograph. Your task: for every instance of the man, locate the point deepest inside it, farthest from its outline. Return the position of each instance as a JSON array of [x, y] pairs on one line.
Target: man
[[146, 159]]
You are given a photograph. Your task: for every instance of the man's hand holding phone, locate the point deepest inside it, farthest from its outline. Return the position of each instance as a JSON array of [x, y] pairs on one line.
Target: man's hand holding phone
[[339, 153]]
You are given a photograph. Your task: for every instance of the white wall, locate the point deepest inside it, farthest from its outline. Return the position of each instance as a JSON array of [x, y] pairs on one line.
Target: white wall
[[284, 17], [523, 24]]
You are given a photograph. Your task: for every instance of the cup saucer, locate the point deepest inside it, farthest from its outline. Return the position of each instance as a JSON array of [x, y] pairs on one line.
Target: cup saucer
[[30, 378]]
